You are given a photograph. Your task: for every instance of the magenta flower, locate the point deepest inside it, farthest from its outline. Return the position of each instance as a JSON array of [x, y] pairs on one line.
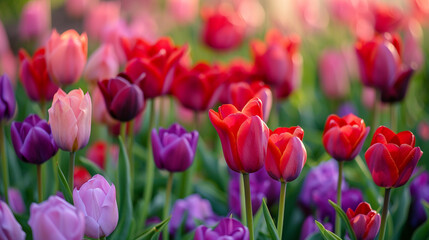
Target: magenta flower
[[228, 228], [9, 227]]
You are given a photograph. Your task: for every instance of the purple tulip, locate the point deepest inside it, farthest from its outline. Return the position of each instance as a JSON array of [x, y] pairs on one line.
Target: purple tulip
[[228, 228], [7, 99], [309, 227], [97, 200], [32, 140], [9, 227], [124, 100], [174, 148], [56, 219], [196, 208], [399, 89], [15, 201], [419, 189]]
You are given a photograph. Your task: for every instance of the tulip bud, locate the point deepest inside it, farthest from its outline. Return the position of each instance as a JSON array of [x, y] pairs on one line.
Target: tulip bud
[[34, 21], [97, 200], [56, 219], [9, 227], [70, 119], [227, 228], [364, 221], [66, 56], [103, 64], [7, 99], [32, 140]]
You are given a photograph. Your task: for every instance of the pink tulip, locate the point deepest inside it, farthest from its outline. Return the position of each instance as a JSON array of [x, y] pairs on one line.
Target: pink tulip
[[413, 53], [103, 14], [9, 227], [113, 33], [4, 41], [66, 56], [8, 65], [103, 64], [333, 74], [70, 119], [77, 8], [183, 11], [34, 19]]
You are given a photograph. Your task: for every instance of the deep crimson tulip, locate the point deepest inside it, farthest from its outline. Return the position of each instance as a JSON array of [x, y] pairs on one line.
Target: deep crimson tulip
[[364, 221], [236, 71], [399, 89], [199, 88], [124, 100], [243, 134], [34, 76], [391, 158], [152, 66], [387, 17], [343, 137], [278, 62], [286, 154]]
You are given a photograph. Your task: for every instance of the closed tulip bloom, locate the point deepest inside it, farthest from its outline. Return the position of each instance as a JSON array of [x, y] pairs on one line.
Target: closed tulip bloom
[[391, 158], [228, 228], [32, 140], [103, 64], [56, 219], [7, 99], [34, 22], [34, 76], [9, 227], [286, 154], [243, 134], [333, 74], [364, 221], [70, 119], [124, 100], [174, 148], [399, 89], [66, 56], [97, 200], [343, 138]]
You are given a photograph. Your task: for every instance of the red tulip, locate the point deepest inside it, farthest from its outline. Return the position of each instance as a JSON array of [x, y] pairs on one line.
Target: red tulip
[[81, 176], [364, 221], [286, 154], [343, 137], [98, 151], [278, 62], [236, 71], [391, 158], [34, 76], [199, 88], [153, 66], [333, 74], [243, 134], [387, 17]]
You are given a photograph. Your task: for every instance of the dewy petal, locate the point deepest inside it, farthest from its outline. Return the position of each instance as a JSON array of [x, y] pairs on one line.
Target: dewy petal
[[381, 165]]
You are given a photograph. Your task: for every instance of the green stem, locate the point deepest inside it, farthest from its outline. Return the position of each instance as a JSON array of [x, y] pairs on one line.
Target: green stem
[[340, 181], [39, 182], [122, 131], [249, 214], [281, 208], [43, 109], [242, 201], [71, 170], [393, 122], [130, 145], [375, 113], [384, 213], [165, 235], [4, 163], [55, 169]]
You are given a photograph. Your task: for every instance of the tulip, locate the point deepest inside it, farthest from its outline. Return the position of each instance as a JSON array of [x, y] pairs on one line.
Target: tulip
[[236, 71], [223, 29], [420, 9], [113, 34], [423, 130], [397, 92], [152, 66], [97, 200], [387, 18], [343, 138], [333, 74], [228, 228], [364, 221], [413, 54], [183, 11], [80, 176], [34, 76], [9, 227], [8, 65], [70, 119], [419, 191], [99, 151], [34, 20], [103, 64], [7, 99], [174, 148], [278, 62], [199, 88], [77, 8], [56, 219], [16, 202], [66, 56], [100, 113], [99, 17], [124, 100]]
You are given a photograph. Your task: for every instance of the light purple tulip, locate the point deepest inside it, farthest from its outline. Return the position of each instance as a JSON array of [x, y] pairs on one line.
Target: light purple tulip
[[56, 219], [97, 200], [15, 201], [174, 148], [9, 227], [228, 228]]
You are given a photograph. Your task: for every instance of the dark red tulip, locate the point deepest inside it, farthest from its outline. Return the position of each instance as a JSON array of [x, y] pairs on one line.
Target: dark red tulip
[[343, 138], [391, 158], [397, 92], [364, 221], [152, 67], [124, 100], [236, 71], [243, 134], [34, 76], [387, 17], [199, 88]]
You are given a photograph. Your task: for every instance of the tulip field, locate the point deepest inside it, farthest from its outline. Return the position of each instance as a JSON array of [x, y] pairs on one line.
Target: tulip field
[[214, 119]]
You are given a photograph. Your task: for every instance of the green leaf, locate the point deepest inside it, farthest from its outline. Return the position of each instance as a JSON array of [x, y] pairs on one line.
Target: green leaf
[[423, 231], [326, 234], [92, 168], [153, 232], [125, 206], [269, 221], [345, 219], [64, 186], [257, 221]]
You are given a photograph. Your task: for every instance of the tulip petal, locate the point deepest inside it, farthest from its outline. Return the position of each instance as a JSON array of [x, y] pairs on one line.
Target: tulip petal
[[293, 159], [381, 165], [16, 138], [407, 166], [359, 225], [272, 161], [32, 152], [109, 212], [84, 121], [62, 118], [253, 108], [156, 149], [373, 227], [180, 154], [337, 144]]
